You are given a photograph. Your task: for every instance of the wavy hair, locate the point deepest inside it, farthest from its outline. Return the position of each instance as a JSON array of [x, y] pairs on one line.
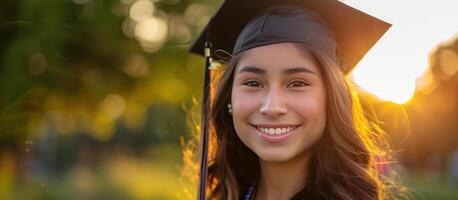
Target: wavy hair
[[343, 165]]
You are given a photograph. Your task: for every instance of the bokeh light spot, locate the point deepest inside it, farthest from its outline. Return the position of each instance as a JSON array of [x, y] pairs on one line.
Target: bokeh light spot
[[136, 66], [142, 10], [448, 62], [37, 64], [197, 14], [151, 33], [113, 105]]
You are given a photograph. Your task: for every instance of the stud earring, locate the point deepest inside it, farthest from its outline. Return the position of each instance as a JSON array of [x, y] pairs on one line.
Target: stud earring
[[229, 108]]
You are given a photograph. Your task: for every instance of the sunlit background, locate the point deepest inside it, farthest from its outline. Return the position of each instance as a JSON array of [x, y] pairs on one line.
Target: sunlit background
[[98, 97], [402, 54]]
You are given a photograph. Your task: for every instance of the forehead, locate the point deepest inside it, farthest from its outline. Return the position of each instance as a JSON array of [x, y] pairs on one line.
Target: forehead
[[275, 57]]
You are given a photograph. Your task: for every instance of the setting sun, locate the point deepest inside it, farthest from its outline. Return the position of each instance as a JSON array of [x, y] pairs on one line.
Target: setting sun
[[390, 69]]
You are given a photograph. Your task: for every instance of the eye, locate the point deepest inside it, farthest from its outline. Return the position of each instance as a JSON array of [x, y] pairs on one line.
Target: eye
[[297, 83], [252, 84]]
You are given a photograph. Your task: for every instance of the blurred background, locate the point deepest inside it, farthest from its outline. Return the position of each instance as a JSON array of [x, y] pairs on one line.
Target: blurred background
[[98, 97]]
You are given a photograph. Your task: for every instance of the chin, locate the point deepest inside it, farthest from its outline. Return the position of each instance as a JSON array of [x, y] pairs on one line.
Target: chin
[[274, 156]]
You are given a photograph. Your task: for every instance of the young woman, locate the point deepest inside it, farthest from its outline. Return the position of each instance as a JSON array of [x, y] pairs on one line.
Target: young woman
[[285, 122]]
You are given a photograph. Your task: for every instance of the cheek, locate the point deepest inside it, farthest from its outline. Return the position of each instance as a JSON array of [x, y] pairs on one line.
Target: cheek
[[311, 107], [243, 105]]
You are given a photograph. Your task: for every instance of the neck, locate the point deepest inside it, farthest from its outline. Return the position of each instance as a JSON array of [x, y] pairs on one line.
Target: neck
[[281, 180]]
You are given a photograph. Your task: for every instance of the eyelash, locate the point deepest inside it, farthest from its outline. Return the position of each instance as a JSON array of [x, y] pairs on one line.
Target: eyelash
[[302, 82], [249, 85]]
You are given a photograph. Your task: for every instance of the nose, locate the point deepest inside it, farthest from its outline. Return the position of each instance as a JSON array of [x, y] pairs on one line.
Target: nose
[[274, 104]]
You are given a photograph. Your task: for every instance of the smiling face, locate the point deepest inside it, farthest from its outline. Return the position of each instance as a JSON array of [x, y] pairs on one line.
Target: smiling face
[[278, 101]]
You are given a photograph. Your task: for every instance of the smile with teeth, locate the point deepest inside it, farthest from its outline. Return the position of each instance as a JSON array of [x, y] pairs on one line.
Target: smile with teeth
[[276, 131]]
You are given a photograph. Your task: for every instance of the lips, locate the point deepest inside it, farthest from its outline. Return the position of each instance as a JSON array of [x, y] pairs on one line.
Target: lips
[[275, 133]]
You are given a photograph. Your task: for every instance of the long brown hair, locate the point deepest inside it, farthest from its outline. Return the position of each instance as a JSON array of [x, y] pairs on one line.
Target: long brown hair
[[342, 164]]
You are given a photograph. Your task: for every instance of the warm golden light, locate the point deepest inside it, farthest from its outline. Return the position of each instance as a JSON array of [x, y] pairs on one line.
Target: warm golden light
[[449, 62], [397, 89], [390, 69]]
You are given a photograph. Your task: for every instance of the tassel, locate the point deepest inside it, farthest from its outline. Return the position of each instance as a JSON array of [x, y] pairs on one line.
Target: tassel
[[201, 195]]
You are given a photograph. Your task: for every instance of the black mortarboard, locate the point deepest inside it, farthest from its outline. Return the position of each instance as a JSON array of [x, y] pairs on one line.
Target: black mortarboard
[[339, 30]]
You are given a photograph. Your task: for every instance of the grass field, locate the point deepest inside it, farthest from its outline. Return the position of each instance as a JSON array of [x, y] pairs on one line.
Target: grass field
[[157, 177], [430, 188]]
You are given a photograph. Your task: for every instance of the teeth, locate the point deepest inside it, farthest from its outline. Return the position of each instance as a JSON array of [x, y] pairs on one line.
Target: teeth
[[271, 131], [276, 131]]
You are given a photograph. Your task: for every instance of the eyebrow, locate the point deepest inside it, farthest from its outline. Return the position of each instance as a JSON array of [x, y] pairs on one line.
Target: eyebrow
[[298, 70], [251, 69], [292, 70]]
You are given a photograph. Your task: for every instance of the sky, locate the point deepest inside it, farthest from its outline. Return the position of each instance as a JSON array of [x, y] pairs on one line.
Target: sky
[[390, 68]]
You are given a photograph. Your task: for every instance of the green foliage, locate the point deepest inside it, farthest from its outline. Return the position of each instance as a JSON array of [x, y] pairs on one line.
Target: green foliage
[[77, 84]]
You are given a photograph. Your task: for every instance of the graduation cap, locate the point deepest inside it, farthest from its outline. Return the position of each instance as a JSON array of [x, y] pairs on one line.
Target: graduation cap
[[341, 31]]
